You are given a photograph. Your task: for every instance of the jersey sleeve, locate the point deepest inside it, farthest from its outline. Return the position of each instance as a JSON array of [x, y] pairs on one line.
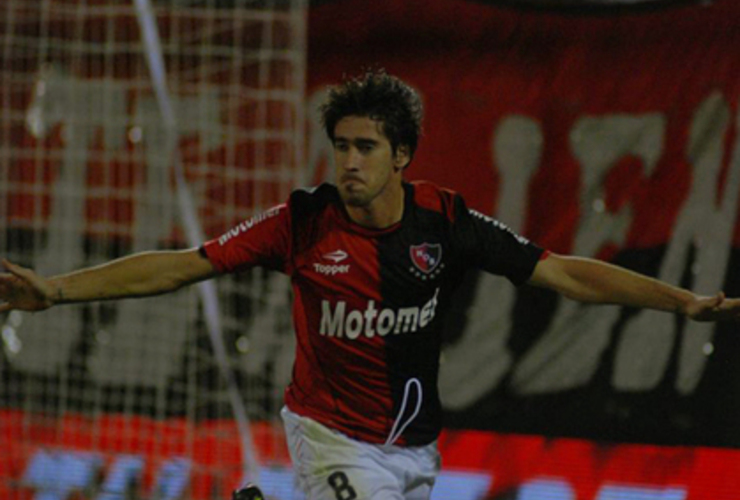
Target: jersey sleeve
[[488, 244], [263, 240]]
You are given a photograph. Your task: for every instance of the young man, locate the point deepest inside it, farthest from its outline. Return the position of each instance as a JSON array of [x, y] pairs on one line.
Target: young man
[[374, 262]]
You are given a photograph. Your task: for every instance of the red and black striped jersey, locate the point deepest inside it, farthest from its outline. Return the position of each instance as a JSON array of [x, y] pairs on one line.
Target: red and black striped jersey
[[369, 304]]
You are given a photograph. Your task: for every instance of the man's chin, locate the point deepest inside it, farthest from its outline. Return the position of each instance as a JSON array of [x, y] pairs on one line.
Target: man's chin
[[353, 199], [355, 202]]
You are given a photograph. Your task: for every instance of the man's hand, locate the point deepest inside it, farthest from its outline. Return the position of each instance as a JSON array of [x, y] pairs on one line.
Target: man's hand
[[715, 308], [23, 289]]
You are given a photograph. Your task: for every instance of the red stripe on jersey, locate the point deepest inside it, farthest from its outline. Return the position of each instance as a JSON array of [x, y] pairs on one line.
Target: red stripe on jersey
[[263, 240], [340, 372], [431, 197]]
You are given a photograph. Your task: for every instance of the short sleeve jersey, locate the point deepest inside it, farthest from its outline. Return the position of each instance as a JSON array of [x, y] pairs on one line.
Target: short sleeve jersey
[[369, 305]]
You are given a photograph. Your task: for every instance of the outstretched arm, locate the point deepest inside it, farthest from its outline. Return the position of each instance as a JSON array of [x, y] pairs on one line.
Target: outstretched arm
[[138, 275], [589, 280]]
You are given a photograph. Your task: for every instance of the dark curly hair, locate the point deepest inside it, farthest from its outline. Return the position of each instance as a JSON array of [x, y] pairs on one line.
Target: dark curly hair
[[381, 97]]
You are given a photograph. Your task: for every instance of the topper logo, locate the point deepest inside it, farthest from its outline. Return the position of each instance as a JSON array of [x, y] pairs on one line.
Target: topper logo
[[330, 270], [336, 256]]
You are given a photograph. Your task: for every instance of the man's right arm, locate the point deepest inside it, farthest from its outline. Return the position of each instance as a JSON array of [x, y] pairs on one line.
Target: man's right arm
[[139, 275]]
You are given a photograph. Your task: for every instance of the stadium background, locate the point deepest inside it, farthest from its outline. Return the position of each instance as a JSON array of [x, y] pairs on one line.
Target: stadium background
[[607, 132]]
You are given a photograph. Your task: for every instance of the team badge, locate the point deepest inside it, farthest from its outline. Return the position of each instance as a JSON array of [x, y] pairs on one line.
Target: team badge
[[427, 259]]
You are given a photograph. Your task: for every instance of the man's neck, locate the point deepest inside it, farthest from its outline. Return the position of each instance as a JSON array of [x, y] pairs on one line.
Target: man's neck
[[380, 213]]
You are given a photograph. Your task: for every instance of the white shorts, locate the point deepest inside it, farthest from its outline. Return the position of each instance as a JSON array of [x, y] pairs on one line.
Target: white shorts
[[330, 465]]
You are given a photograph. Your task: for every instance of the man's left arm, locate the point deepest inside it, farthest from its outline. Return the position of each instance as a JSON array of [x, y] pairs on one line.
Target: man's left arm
[[594, 281]]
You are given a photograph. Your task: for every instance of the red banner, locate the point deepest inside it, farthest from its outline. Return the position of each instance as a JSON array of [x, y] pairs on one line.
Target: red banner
[[474, 463], [581, 470], [480, 67], [604, 136]]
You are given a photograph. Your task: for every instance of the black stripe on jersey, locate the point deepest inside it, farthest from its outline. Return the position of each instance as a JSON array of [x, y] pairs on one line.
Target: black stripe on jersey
[[416, 354]]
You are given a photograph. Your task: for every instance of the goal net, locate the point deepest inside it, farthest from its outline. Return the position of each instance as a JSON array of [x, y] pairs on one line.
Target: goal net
[[137, 395]]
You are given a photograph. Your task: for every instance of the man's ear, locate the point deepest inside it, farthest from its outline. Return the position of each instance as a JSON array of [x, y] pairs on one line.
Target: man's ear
[[402, 157]]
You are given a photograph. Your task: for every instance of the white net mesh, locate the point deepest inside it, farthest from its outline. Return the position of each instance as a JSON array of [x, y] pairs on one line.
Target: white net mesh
[[86, 176]]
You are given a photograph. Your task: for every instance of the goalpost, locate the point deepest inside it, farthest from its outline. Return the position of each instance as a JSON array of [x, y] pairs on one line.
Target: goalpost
[[130, 125]]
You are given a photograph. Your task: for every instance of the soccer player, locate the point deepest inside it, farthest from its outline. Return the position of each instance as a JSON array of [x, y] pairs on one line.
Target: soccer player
[[374, 262]]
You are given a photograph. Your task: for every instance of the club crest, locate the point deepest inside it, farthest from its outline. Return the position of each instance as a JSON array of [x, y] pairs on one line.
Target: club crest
[[426, 257]]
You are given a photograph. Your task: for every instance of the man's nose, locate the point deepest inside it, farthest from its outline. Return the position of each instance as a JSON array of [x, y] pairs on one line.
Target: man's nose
[[353, 160]]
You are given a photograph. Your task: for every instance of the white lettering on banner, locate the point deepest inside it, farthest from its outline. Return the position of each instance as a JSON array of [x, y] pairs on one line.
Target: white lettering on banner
[[707, 221], [76, 105], [335, 322], [50, 475], [619, 492], [174, 474], [248, 224], [598, 144], [578, 334], [320, 149], [560, 489], [517, 151]]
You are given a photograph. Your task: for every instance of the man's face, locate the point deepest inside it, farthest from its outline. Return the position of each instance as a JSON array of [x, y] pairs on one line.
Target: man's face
[[365, 163]]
